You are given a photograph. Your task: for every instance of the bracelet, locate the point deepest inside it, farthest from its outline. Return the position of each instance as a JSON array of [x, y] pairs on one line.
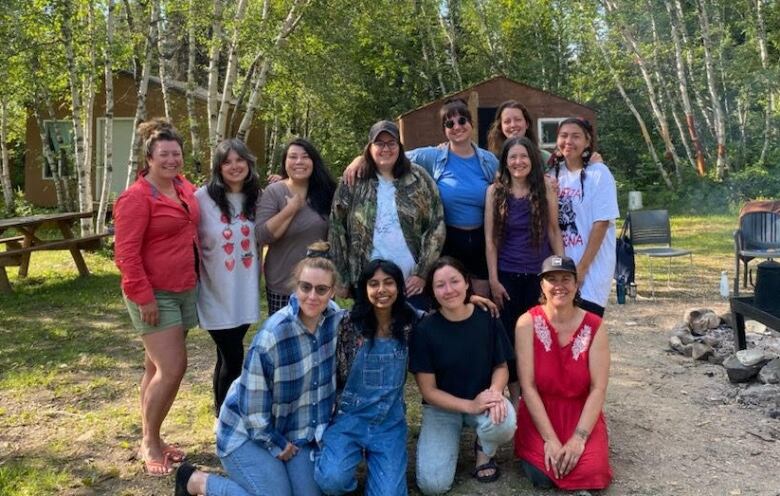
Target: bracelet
[[581, 433]]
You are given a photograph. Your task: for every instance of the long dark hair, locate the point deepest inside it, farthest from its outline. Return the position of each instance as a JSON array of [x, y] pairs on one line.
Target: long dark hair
[[557, 160], [362, 314], [322, 186], [496, 136], [444, 262], [216, 187], [537, 195]]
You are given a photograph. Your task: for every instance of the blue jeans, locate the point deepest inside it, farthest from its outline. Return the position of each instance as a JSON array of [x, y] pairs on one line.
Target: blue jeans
[[371, 422], [253, 471], [439, 443]]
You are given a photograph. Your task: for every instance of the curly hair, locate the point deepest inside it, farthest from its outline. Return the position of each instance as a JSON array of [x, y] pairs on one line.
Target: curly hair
[[557, 160], [537, 195], [496, 136], [216, 187]]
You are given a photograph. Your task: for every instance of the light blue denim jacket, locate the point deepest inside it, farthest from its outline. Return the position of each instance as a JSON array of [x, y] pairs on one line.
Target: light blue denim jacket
[[433, 159]]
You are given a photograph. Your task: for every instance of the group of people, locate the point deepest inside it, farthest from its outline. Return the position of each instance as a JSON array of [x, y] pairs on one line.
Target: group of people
[[432, 244]]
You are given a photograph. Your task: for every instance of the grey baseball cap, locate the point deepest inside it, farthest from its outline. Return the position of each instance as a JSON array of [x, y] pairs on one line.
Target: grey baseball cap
[[383, 127], [555, 263]]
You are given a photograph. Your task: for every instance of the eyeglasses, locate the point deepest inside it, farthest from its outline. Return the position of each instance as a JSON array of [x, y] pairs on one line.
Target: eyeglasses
[[306, 287], [390, 145], [450, 123]]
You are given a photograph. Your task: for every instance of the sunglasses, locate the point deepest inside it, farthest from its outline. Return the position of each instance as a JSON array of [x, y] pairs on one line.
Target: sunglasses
[[450, 123], [306, 287]]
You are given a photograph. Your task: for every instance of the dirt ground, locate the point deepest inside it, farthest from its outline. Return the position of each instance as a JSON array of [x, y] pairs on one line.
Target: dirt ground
[[675, 428]]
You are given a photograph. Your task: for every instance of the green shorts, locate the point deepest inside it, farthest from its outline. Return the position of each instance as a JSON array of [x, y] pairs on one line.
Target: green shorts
[[176, 309]]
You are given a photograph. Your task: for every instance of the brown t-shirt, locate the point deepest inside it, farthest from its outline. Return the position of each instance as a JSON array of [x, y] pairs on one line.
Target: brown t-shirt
[[283, 253]]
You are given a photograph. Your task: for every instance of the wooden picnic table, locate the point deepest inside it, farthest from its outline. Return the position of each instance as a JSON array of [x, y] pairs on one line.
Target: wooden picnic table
[[19, 248]]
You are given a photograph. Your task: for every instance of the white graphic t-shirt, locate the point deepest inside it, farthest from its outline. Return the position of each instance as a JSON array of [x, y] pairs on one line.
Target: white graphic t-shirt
[[389, 241], [576, 215]]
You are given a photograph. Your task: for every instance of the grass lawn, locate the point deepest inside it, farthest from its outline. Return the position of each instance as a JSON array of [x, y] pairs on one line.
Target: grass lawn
[[69, 366]]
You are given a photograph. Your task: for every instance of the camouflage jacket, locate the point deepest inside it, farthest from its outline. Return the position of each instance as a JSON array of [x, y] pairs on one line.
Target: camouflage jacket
[[351, 231]]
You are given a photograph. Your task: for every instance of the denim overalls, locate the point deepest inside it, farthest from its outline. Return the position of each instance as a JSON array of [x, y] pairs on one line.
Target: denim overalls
[[370, 420]]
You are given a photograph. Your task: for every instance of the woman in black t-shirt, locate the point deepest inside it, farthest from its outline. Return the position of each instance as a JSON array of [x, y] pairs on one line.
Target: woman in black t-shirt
[[458, 356]]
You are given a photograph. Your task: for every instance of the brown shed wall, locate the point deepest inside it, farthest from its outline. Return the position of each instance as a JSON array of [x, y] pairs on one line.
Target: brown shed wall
[[41, 192], [422, 127]]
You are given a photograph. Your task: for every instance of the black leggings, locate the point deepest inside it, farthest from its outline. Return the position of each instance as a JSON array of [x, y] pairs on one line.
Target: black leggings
[[230, 359]]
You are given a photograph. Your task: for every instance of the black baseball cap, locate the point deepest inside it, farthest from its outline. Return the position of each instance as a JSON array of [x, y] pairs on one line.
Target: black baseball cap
[[388, 127], [555, 263]]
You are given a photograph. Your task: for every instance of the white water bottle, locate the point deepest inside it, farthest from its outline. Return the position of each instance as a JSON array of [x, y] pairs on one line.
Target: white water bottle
[[724, 285]]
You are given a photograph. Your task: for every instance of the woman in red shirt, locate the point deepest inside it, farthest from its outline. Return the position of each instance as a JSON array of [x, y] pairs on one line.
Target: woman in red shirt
[[156, 250]]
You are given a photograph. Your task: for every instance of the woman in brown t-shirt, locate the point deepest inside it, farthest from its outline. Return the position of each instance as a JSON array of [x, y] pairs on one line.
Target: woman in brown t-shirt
[[293, 213]]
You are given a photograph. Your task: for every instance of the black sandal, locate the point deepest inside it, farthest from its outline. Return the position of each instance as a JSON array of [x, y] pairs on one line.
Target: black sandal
[[183, 475], [489, 465]]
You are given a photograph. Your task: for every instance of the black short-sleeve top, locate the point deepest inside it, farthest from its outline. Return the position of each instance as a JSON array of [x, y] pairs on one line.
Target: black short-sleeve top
[[463, 354]]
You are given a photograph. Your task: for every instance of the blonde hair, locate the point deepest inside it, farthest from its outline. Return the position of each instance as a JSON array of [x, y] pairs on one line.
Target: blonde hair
[[317, 257], [152, 131]]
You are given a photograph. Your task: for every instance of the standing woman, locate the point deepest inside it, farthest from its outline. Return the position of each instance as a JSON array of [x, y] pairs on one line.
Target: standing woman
[[458, 355], [393, 213], [563, 356], [587, 209], [276, 412], [512, 121], [229, 291], [372, 356], [293, 214], [462, 172], [521, 230], [156, 251]]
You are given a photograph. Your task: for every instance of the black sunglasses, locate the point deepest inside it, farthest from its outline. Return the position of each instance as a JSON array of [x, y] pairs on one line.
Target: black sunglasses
[[450, 123]]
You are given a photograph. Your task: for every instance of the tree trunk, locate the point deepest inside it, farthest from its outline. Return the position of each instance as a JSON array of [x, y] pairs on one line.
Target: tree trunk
[[194, 121], [448, 25], [82, 175], [659, 115], [701, 167], [212, 100], [722, 166], [164, 56], [108, 132], [5, 163], [770, 93], [241, 99], [642, 126], [230, 72], [285, 30], [143, 86]]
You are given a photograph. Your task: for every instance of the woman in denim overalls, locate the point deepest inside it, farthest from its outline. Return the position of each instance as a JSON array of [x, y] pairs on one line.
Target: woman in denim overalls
[[372, 355]]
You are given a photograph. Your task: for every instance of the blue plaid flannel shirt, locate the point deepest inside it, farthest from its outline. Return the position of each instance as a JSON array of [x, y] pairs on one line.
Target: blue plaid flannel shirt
[[287, 388]]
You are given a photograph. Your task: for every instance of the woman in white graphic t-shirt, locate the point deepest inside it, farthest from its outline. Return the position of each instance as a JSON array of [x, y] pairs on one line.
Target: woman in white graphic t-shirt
[[587, 209]]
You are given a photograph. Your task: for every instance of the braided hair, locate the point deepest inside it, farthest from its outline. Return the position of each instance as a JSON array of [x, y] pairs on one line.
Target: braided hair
[[537, 195], [557, 159]]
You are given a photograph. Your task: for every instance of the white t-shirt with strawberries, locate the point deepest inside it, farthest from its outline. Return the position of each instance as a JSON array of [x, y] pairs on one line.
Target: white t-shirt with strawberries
[[229, 285], [576, 215]]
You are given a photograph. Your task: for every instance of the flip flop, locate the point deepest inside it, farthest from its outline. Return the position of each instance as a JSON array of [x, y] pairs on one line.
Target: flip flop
[[157, 468], [174, 454]]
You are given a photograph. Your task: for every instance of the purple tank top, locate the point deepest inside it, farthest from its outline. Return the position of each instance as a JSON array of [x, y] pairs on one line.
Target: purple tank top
[[517, 252]]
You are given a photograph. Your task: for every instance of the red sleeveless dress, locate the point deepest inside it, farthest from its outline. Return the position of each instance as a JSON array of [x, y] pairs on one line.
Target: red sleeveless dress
[[563, 381]]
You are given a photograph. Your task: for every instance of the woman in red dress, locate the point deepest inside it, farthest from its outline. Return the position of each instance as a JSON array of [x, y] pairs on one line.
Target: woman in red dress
[[563, 364]]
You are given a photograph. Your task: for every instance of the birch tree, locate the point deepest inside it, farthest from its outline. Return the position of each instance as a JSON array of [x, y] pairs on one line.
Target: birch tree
[[164, 56], [5, 162], [194, 121], [230, 72], [108, 130], [770, 92], [215, 48]]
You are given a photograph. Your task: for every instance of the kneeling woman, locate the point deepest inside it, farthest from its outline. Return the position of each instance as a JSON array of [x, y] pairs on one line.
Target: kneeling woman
[[276, 412], [458, 355], [372, 357], [563, 358]]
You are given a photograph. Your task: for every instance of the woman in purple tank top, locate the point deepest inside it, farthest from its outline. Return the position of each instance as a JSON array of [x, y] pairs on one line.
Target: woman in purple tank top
[[521, 230]]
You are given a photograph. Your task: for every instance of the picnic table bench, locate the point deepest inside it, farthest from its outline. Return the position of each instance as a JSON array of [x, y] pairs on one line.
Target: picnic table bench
[[19, 248], [741, 307]]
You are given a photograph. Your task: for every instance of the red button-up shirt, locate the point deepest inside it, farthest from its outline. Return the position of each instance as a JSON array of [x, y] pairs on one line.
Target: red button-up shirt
[[155, 238]]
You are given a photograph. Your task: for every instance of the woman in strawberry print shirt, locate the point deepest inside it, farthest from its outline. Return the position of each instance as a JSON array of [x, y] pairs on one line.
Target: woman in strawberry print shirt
[[228, 297], [156, 250]]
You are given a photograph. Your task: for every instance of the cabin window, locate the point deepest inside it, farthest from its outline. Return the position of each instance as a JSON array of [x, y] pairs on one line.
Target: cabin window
[[548, 131], [59, 139]]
